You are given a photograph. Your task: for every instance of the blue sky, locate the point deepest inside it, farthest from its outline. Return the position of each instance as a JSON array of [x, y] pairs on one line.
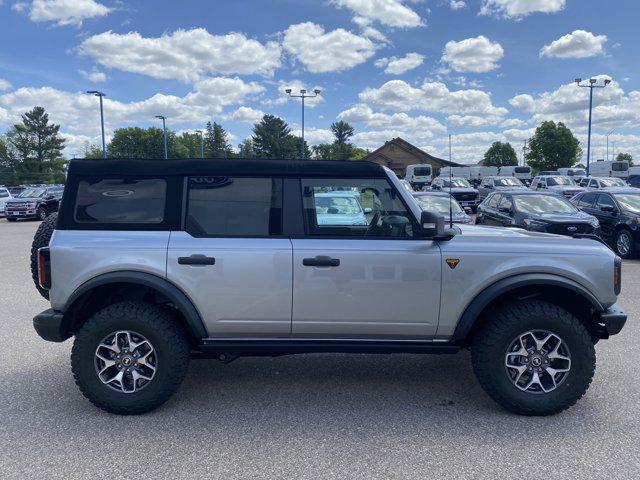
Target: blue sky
[[482, 70]]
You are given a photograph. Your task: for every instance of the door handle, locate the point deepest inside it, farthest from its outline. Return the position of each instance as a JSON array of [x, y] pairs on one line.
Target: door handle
[[197, 260], [321, 261]]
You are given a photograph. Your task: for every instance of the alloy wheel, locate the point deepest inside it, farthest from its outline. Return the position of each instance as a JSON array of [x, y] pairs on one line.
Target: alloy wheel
[[623, 243]]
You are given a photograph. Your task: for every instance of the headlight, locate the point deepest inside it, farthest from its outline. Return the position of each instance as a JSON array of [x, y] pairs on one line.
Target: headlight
[[534, 224], [595, 223]]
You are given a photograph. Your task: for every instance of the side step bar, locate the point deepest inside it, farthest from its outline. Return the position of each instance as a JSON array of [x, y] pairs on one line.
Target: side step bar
[[213, 347]]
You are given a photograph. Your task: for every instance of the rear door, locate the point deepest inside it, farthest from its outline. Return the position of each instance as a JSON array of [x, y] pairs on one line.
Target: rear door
[[490, 216], [231, 259], [372, 279]]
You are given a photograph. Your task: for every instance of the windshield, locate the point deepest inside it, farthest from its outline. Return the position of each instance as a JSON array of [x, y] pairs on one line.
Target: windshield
[[432, 203], [456, 182], [422, 171], [559, 181], [612, 182], [543, 204], [620, 166], [508, 182], [629, 201], [32, 193], [578, 172], [337, 206]]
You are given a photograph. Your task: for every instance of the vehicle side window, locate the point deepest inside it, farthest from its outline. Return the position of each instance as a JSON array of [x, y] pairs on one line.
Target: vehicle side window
[[593, 184], [234, 207], [586, 200], [113, 201], [494, 200], [355, 208], [4, 193], [505, 203], [584, 182], [604, 200]]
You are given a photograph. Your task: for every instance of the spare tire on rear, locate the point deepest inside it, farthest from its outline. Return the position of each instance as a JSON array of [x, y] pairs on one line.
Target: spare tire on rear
[[41, 239]]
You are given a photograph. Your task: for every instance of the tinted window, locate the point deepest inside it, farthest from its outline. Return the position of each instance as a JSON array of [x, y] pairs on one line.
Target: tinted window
[[493, 201], [355, 208], [523, 170], [422, 171], [604, 200], [586, 200], [629, 201], [505, 203], [121, 201], [227, 207], [620, 166]]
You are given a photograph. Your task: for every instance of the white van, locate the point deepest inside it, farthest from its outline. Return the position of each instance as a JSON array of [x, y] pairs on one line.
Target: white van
[[521, 173], [572, 172], [419, 175], [462, 172], [611, 168]]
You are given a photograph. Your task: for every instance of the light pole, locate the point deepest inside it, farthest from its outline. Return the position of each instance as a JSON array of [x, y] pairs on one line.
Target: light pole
[[610, 132], [303, 95], [164, 130], [201, 143], [100, 95], [591, 85]]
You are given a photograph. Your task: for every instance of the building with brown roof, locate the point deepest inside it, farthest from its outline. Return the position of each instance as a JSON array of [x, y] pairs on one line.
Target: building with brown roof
[[397, 154]]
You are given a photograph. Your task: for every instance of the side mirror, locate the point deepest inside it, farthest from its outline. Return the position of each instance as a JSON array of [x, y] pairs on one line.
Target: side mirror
[[432, 224], [368, 210], [504, 209], [608, 208]]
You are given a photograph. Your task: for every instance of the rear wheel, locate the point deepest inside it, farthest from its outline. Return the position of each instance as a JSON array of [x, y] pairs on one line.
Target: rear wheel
[[623, 244], [533, 358], [130, 357], [41, 239]]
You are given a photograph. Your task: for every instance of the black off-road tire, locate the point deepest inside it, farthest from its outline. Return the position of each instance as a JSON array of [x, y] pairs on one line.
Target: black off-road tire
[[41, 239], [160, 328], [492, 340]]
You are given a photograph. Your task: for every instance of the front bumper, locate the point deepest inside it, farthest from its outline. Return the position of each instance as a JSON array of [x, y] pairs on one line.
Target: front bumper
[[613, 319], [50, 326], [21, 213]]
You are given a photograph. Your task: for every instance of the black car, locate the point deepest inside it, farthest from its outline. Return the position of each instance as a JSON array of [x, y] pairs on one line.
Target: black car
[[459, 188], [496, 184], [617, 210], [34, 202], [444, 204], [536, 211]]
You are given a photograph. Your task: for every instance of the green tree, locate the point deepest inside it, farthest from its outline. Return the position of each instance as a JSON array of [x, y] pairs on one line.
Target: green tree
[[188, 145], [215, 141], [272, 138], [499, 155], [341, 148], [35, 148], [358, 153], [136, 142], [322, 151], [553, 146], [92, 151], [246, 149], [621, 157]]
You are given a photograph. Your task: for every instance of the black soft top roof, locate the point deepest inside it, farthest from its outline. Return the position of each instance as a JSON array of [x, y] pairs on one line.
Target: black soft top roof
[[235, 166]]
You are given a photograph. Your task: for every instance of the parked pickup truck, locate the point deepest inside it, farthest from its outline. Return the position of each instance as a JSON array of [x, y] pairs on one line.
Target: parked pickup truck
[[151, 262]]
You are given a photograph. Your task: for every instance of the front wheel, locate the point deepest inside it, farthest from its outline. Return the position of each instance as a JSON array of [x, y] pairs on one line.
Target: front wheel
[[130, 357], [42, 213], [533, 358], [623, 244]]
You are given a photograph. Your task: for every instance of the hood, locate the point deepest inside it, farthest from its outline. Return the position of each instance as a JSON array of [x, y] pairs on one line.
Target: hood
[[563, 217], [566, 188], [509, 187], [459, 190]]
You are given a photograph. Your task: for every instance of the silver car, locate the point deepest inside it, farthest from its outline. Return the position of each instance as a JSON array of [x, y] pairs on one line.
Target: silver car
[[151, 262]]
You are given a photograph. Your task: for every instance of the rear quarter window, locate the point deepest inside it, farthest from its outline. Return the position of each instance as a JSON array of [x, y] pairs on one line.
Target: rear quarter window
[[121, 201]]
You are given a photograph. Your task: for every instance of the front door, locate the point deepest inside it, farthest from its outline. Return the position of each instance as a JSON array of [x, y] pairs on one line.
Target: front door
[[232, 260], [362, 271]]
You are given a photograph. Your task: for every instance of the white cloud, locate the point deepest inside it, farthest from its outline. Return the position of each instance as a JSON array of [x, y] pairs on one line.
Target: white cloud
[[4, 84], [477, 54], [314, 136], [78, 113], [466, 107], [94, 75], [577, 44], [517, 9], [420, 126], [185, 55], [392, 13], [457, 4], [569, 104], [321, 52], [62, 12], [245, 114], [513, 123], [398, 66]]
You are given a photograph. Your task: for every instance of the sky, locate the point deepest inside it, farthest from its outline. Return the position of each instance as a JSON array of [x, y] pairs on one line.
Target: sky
[[479, 70]]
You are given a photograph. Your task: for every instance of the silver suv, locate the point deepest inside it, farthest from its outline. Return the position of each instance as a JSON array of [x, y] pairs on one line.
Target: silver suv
[[153, 262]]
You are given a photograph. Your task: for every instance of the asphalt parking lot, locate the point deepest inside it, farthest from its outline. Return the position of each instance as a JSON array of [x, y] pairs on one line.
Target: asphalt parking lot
[[304, 417]]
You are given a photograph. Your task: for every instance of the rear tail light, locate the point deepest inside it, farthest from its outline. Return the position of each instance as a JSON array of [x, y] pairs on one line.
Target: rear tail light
[[44, 268], [617, 275]]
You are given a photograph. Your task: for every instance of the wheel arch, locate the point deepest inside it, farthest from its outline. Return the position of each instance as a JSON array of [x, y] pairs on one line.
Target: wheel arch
[[107, 288], [554, 288]]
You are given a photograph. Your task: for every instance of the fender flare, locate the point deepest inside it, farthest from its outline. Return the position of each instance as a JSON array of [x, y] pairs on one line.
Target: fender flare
[[162, 285], [493, 291]]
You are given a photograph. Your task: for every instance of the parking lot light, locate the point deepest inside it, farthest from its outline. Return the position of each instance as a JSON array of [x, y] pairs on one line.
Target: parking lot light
[[591, 85], [164, 133], [100, 95], [302, 96]]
